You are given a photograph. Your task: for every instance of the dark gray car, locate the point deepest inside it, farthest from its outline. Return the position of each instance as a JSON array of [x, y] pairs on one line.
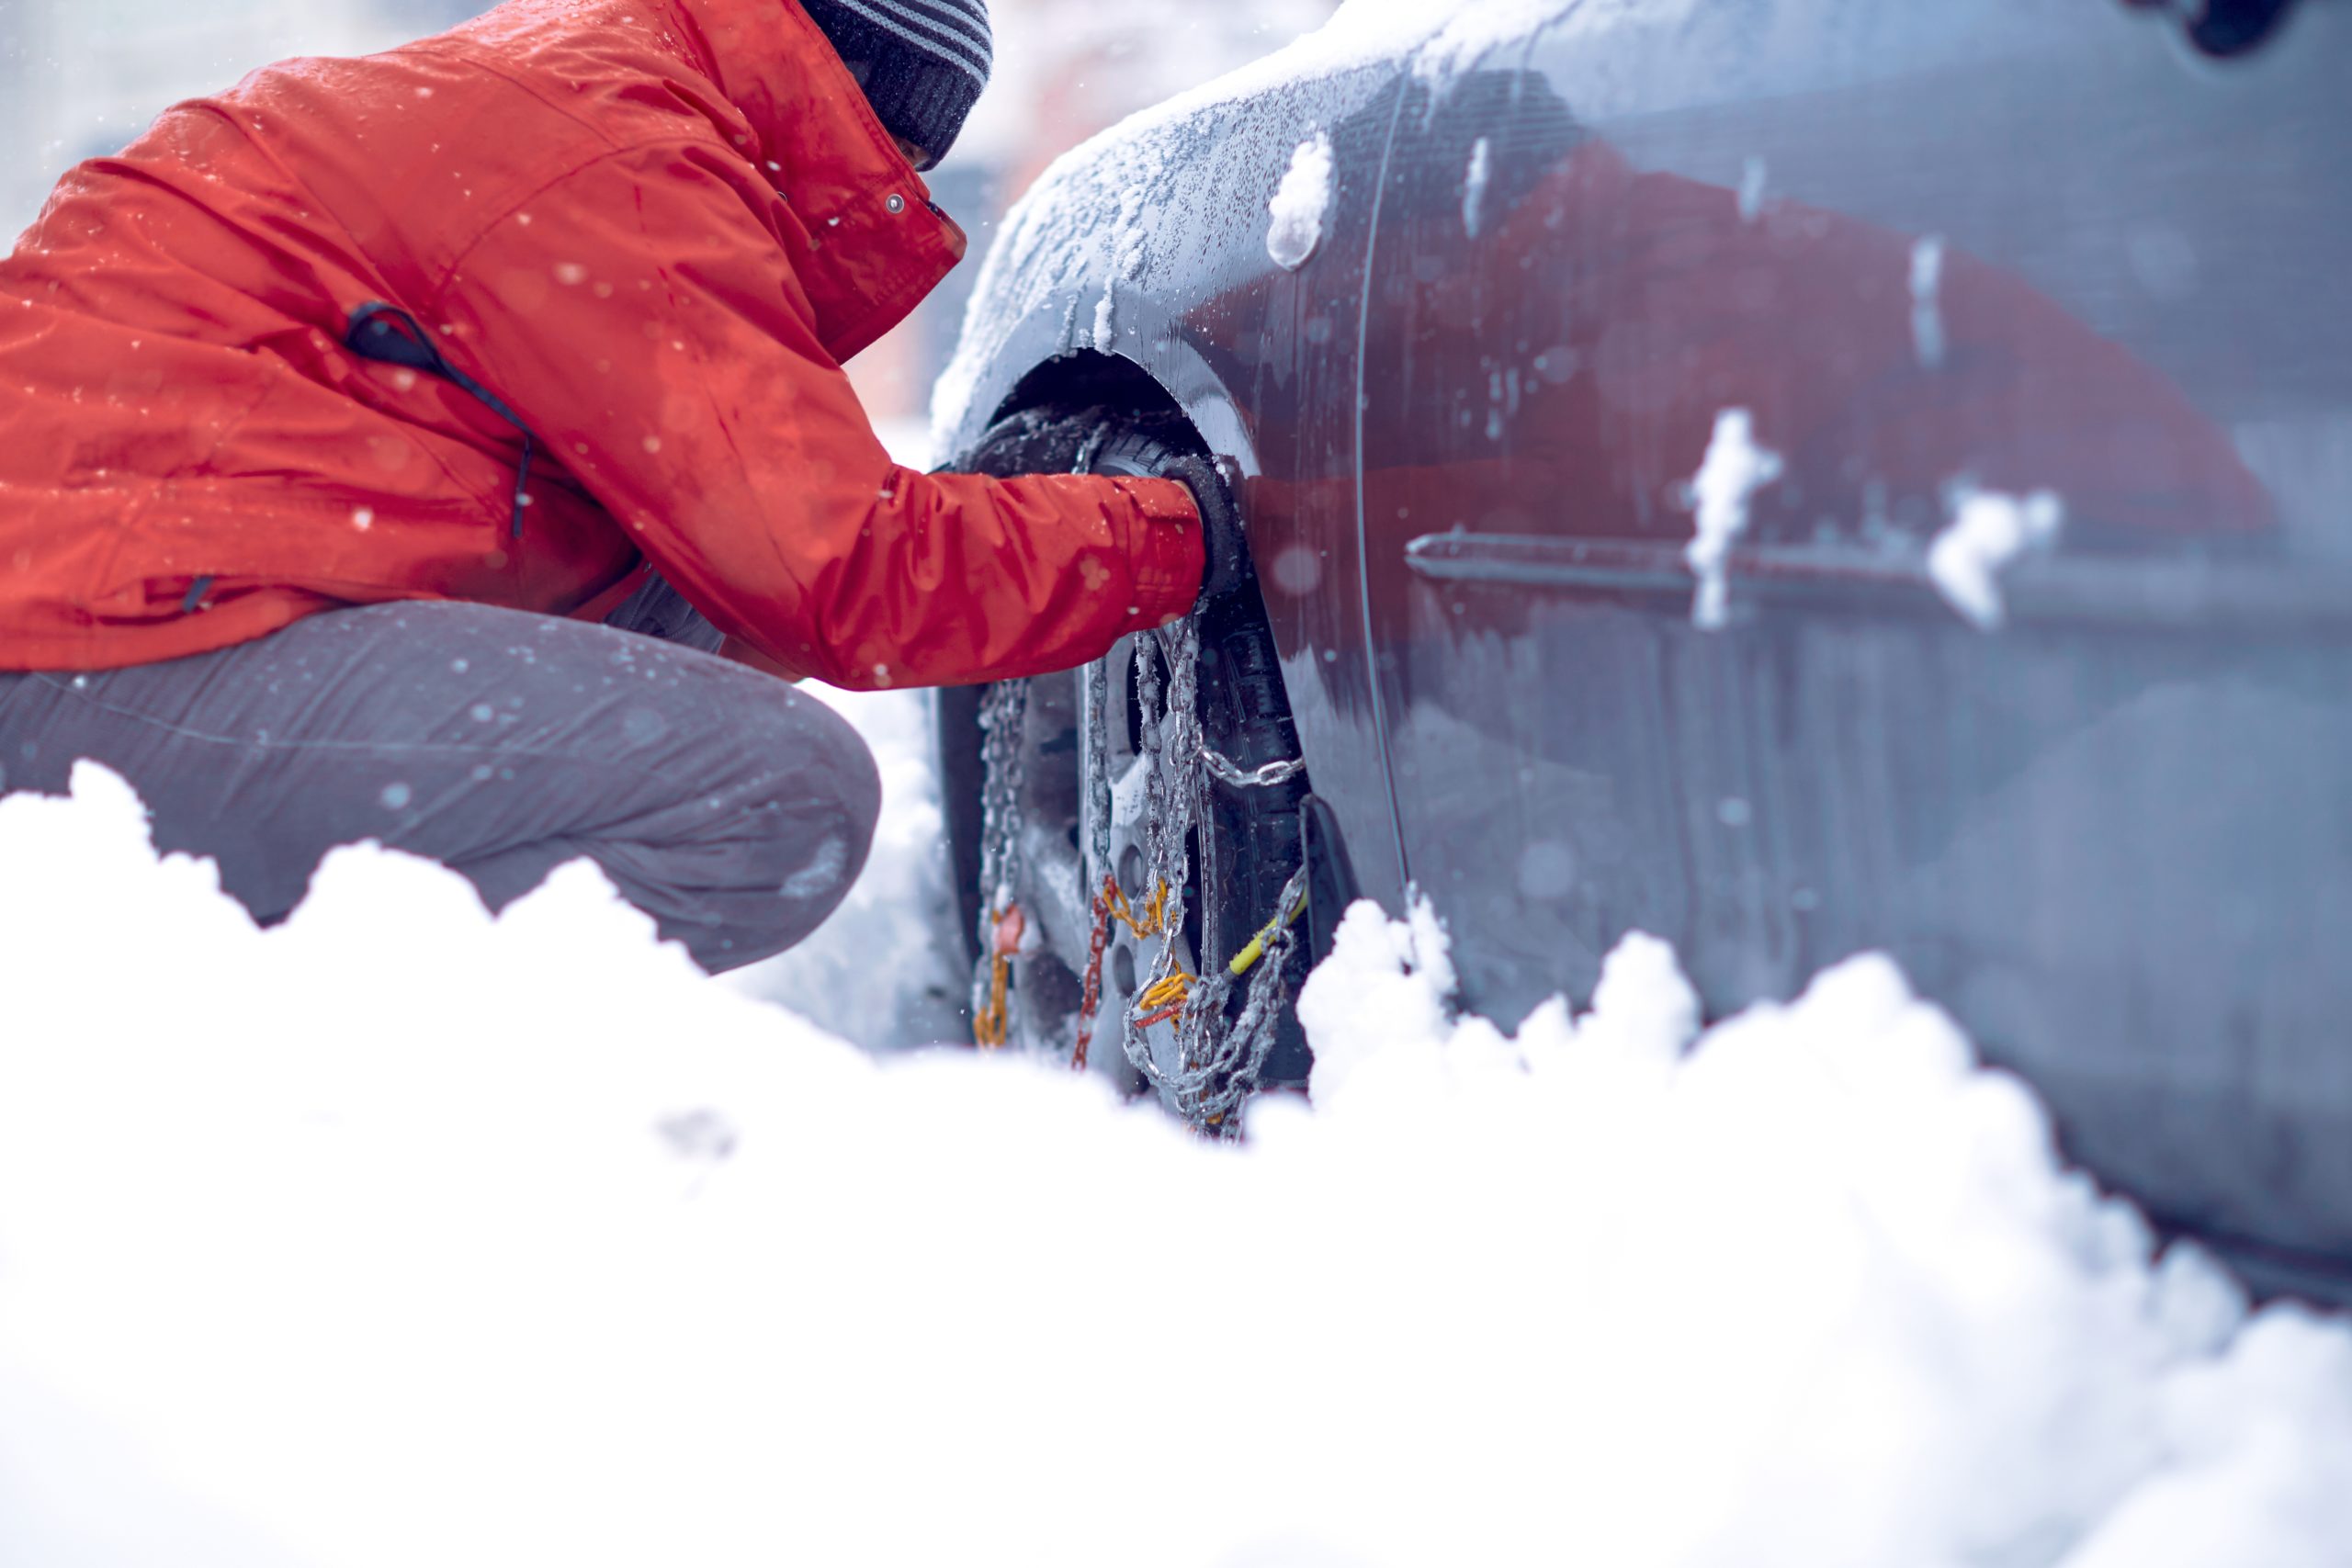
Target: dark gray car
[[2028, 662]]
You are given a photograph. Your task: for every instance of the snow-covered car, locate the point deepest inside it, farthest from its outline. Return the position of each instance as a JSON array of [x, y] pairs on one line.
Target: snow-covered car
[[1794, 477]]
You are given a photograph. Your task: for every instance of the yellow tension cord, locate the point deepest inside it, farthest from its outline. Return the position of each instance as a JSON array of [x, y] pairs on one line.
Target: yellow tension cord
[[1247, 959], [1164, 998]]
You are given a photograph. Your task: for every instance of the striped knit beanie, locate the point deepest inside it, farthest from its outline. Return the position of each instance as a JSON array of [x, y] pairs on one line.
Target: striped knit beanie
[[925, 61]]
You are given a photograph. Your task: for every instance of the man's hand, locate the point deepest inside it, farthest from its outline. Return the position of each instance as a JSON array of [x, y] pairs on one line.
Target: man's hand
[[1223, 542]]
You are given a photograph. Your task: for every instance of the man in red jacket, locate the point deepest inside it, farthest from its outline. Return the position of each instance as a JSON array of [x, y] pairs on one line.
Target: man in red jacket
[[343, 408]]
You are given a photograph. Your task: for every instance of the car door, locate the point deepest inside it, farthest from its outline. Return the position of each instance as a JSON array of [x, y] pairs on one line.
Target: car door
[[1884, 296]]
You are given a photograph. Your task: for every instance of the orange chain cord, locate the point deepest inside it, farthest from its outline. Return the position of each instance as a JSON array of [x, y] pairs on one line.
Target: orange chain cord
[[1092, 998], [1111, 904], [989, 1028]]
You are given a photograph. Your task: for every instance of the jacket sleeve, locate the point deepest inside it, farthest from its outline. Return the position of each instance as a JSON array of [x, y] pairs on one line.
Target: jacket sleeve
[[644, 317]]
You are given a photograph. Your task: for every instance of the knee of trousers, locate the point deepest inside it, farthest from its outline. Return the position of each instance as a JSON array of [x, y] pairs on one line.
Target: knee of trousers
[[804, 842]]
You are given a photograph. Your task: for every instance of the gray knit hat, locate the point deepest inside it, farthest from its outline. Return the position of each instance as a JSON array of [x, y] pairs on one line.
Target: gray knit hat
[[925, 61]]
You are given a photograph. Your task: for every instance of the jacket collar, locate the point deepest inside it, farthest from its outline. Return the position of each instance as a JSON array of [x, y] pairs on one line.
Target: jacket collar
[[869, 242]]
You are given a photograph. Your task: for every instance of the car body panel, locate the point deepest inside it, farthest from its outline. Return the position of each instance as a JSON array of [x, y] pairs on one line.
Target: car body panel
[[2062, 831], [1979, 248]]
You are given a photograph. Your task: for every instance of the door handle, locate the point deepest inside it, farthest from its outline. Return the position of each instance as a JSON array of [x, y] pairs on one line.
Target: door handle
[[2175, 592]]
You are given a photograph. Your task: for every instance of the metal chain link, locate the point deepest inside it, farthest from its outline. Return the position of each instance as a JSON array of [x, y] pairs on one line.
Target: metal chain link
[[1217, 1067], [1097, 889], [1168, 726], [1004, 719], [1267, 777], [1233, 1071], [1094, 769]]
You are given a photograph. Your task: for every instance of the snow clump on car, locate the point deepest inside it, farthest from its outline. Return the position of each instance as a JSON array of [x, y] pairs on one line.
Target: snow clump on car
[[1736, 467], [1987, 532], [1299, 204]]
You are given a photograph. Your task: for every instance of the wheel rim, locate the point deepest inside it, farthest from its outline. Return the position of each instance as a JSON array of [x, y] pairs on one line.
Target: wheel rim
[[1058, 878]]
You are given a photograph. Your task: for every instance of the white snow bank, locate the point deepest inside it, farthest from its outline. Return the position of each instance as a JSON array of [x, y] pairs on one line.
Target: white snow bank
[[1294, 214], [1988, 530], [399, 1235], [1735, 468]]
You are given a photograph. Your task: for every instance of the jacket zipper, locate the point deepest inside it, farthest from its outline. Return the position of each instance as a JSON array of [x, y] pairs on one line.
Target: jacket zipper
[[391, 335]]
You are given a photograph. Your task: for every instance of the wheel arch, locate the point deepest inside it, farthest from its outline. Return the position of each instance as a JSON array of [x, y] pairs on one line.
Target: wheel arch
[[1084, 378], [1153, 368]]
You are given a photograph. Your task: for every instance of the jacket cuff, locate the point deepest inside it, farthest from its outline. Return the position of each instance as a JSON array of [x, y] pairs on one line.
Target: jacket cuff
[[1160, 536]]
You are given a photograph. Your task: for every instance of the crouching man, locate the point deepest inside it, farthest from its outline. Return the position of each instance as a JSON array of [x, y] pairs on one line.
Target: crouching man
[[393, 447]]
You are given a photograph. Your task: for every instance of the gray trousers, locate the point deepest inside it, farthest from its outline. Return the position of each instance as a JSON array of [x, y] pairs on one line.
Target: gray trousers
[[728, 806]]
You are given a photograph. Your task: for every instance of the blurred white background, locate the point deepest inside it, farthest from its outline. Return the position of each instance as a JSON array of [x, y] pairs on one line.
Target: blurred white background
[[80, 78]]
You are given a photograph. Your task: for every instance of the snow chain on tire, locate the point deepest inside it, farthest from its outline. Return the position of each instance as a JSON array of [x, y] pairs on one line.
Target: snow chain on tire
[[1005, 714], [1218, 1062], [1218, 1067]]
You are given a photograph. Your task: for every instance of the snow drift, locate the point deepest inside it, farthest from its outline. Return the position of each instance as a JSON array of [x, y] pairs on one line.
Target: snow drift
[[402, 1234]]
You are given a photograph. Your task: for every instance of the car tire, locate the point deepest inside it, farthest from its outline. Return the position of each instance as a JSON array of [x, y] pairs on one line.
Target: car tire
[[1254, 840]]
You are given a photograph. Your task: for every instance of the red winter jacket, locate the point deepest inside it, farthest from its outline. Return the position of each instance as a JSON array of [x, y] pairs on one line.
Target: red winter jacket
[[653, 228]]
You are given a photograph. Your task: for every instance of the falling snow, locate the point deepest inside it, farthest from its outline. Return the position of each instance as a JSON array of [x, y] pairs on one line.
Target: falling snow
[[1927, 301]]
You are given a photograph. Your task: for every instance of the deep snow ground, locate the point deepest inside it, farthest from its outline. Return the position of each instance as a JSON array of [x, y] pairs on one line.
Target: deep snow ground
[[400, 1234], [403, 1235]]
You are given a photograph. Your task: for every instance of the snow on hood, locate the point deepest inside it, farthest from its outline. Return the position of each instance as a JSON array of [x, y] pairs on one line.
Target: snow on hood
[[1111, 184], [404, 1234]]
